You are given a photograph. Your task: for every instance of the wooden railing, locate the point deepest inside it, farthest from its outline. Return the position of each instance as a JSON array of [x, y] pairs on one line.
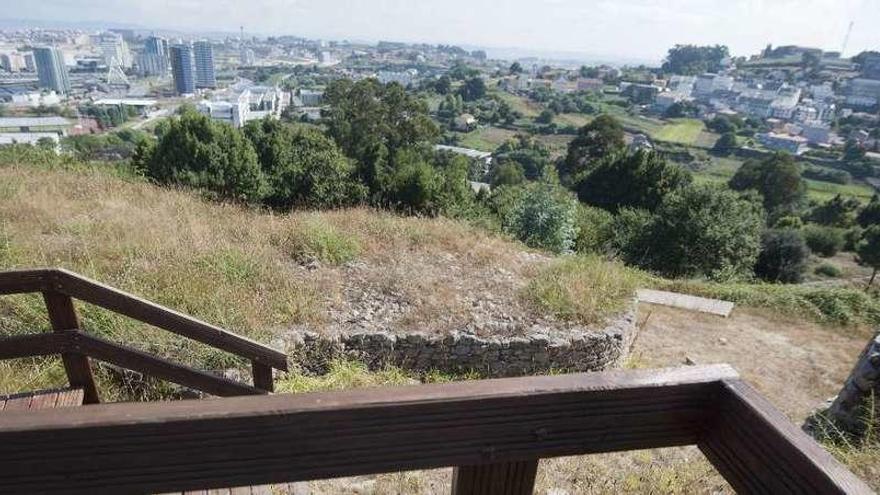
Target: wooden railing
[[494, 430], [61, 287]]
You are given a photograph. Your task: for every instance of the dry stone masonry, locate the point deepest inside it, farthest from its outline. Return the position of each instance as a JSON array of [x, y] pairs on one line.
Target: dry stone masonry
[[847, 409], [539, 352]]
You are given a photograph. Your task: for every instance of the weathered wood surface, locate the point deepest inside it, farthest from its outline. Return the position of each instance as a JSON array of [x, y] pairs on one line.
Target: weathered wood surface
[[505, 478], [44, 399], [684, 301], [758, 450], [62, 316], [136, 360], [189, 445], [59, 281]]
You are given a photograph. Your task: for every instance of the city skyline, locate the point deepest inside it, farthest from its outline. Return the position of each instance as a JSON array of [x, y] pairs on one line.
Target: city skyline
[[633, 30]]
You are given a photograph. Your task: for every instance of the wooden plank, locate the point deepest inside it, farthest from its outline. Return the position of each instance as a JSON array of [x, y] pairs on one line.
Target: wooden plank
[[39, 344], [62, 315], [71, 397], [44, 399], [140, 309], [189, 445], [136, 360], [758, 450], [24, 281], [21, 402], [263, 376], [684, 301], [504, 478]]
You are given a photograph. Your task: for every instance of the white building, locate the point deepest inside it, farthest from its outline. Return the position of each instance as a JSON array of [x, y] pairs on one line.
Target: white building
[[114, 49], [247, 57], [404, 78], [246, 103]]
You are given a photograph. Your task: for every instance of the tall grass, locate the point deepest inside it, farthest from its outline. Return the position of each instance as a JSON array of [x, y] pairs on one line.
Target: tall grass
[[585, 289]]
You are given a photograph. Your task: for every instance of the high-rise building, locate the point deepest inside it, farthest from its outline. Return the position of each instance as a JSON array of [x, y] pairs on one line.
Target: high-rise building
[[29, 63], [113, 49], [154, 60], [156, 46], [204, 58], [183, 68], [51, 71]]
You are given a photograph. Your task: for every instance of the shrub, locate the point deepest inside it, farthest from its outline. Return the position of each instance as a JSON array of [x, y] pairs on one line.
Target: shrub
[[824, 241], [704, 231], [585, 289], [594, 229], [313, 240], [788, 222], [783, 256], [630, 235], [543, 216], [828, 270]]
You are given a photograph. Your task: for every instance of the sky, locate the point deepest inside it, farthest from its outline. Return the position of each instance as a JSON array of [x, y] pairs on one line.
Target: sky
[[626, 29]]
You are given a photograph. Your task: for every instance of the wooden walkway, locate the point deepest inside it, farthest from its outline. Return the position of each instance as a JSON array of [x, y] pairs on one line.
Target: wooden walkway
[[44, 399]]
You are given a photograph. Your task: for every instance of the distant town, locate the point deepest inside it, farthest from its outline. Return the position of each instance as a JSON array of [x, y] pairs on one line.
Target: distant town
[[805, 101]]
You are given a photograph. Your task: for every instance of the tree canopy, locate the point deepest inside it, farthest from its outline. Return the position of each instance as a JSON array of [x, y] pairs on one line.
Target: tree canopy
[[603, 136], [777, 179], [692, 60]]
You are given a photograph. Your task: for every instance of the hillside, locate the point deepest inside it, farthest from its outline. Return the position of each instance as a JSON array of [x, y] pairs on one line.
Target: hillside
[[265, 275]]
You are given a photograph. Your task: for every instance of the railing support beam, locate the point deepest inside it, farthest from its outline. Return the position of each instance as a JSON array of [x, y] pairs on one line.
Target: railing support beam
[[503, 478], [62, 316]]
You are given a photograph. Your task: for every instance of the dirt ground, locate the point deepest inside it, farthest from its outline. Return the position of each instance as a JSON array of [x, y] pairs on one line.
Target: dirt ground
[[796, 364]]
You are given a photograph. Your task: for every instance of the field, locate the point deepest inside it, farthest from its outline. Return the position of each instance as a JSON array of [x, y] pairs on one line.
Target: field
[[723, 168], [521, 104], [681, 131], [485, 138]]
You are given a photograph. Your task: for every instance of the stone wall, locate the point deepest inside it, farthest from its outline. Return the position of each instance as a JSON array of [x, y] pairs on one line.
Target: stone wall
[[847, 410], [579, 349]]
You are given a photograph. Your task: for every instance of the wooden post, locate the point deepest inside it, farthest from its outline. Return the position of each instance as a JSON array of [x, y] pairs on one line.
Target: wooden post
[[62, 315], [503, 478], [262, 376]]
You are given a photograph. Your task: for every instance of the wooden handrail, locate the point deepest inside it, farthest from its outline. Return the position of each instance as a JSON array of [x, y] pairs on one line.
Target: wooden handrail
[[60, 286], [197, 445]]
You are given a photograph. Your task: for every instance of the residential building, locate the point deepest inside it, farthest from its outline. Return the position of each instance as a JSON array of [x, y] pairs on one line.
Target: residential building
[[30, 62], [871, 65], [12, 62], [783, 142], [204, 65], [863, 92], [816, 132], [151, 65], [51, 71], [590, 84], [465, 122], [183, 69], [311, 98], [114, 49], [155, 45], [404, 78], [17, 96]]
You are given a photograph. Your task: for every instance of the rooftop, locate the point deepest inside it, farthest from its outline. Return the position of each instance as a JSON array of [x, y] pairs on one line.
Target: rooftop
[[33, 121]]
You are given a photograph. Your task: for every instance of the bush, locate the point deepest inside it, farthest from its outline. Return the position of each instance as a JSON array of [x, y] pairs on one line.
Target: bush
[[313, 240], [828, 270], [594, 229], [783, 256], [788, 222], [704, 231], [542, 216], [824, 241]]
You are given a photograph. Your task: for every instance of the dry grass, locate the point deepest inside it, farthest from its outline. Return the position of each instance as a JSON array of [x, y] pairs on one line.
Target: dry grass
[[256, 273], [586, 289]]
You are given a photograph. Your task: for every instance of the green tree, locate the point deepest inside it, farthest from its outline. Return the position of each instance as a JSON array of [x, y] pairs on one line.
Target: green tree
[[725, 144], [198, 152], [546, 116], [371, 122], [507, 173], [473, 89], [853, 151], [692, 60], [703, 231], [603, 136], [443, 85], [777, 179], [783, 256], [528, 152], [515, 68], [870, 214], [637, 180], [824, 241], [836, 212], [303, 167], [869, 250]]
